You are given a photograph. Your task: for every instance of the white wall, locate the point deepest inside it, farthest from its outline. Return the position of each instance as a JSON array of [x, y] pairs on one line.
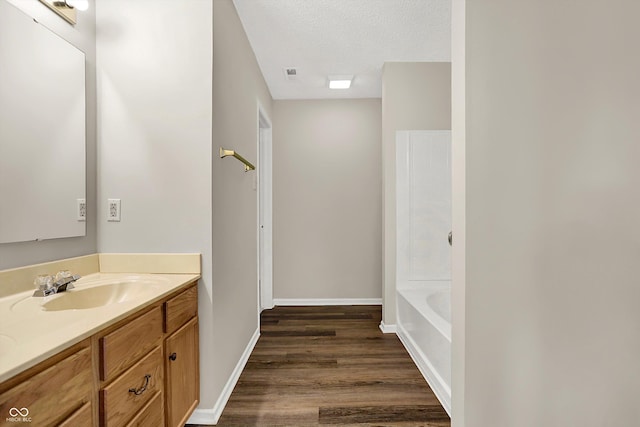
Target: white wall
[[326, 199], [155, 97], [238, 88], [82, 36], [552, 209], [415, 96], [458, 185]]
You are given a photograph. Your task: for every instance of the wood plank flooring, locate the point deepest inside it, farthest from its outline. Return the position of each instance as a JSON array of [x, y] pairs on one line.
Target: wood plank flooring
[[330, 366]]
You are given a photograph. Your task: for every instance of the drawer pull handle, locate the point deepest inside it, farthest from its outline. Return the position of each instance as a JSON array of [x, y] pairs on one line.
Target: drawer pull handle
[[142, 389], [173, 357]]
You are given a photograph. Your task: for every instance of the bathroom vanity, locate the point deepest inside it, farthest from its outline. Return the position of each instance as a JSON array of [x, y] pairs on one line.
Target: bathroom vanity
[[120, 349]]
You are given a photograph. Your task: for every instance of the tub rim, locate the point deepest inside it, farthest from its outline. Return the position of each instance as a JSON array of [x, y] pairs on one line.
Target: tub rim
[[422, 306]]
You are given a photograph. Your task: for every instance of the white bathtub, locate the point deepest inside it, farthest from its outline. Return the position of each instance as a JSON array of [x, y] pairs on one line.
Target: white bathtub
[[424, 327]]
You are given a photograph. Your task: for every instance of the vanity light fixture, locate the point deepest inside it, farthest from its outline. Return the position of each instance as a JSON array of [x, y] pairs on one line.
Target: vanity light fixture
[[340, 82], [66, 9], [73, 4]]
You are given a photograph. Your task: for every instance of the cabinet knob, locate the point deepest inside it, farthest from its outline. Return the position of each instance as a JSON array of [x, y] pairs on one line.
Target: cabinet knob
[[173, 357]]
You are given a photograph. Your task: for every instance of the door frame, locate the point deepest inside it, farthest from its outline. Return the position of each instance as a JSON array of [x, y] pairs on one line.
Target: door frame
[[265, 211]]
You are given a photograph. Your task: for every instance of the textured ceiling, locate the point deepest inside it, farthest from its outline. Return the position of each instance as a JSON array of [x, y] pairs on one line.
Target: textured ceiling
[[338, 37]]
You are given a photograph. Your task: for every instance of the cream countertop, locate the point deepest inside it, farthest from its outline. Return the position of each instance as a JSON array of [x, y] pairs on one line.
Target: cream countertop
[[30, 334]]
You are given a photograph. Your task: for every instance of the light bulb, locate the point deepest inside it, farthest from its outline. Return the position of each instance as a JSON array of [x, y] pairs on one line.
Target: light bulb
[[78, 4]]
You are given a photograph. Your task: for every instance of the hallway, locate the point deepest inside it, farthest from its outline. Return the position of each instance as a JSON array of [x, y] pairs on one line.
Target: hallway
[[330, 365]]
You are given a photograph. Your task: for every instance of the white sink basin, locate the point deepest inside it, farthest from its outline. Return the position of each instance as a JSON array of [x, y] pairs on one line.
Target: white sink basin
[[91, 295], [79, 299]]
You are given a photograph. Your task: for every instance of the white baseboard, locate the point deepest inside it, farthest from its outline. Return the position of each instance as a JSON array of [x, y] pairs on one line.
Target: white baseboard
[[388, 329], [205, 417], [210, 416], [326, 301]]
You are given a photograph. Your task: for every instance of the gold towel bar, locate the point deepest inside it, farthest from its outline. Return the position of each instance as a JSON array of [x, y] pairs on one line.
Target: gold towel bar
[[247, 165]]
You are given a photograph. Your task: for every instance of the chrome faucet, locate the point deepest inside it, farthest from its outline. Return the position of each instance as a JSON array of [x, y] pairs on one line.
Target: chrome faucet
[[48, 285]]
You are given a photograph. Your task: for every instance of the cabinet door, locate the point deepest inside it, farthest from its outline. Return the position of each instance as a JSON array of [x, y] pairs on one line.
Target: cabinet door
[[182, 374], [46, 398]]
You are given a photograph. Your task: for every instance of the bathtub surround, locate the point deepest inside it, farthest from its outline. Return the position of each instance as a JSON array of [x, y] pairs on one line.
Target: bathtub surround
[[415, 96], [423, 200], [326, 202], [423, 261]]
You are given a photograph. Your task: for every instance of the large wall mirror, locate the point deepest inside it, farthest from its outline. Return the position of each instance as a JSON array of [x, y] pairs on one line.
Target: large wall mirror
[[42, 131]]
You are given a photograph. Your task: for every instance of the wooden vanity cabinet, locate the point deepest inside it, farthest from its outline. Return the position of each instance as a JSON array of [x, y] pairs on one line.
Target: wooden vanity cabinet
[[149, 365], [182, 385], [142, 371], [55, 392]]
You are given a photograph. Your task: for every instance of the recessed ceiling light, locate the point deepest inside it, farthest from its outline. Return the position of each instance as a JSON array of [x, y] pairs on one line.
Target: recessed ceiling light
[[340, 82]]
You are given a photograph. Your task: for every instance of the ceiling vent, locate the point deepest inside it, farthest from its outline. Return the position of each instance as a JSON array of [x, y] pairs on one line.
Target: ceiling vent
[[290, 73]]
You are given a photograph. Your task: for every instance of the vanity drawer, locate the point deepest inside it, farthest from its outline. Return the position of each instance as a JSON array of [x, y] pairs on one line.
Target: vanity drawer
[[181, 308], [119, 402], [80, 418], [52, 394], [122, 347], [152, 415]]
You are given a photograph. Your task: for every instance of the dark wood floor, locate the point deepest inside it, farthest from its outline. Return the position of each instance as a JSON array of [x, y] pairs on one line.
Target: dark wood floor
[[330, 366]]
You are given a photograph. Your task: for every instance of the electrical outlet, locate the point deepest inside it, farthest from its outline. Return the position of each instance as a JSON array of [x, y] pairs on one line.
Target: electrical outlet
[[113, 214], [82, 209]]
